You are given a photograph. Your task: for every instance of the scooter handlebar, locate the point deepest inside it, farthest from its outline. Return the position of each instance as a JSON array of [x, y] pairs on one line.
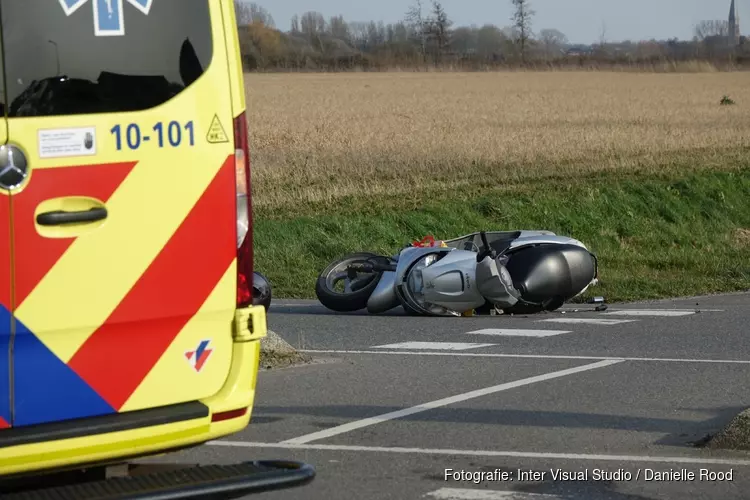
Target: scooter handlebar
[[483, 235]]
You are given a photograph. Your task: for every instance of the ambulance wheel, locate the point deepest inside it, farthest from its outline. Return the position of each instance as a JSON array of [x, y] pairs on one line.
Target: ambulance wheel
[[261, 290]]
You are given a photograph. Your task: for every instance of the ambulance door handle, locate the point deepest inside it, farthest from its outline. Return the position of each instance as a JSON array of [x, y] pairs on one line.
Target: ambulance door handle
[[60, 217]]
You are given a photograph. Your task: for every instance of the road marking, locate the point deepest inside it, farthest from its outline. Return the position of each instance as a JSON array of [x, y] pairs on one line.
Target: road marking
[[358, 424], [652, 312], [445, 346], [591, 321], [692, 309], [517, 333], [482, 453], [532, 356], [468, 494]]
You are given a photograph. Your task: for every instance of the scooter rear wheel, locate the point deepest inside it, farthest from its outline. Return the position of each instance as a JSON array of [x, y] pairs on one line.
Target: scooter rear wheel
[[356, 292]]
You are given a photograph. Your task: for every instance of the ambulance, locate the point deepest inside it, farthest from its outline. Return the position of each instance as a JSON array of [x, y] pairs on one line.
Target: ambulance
[[127, 323]]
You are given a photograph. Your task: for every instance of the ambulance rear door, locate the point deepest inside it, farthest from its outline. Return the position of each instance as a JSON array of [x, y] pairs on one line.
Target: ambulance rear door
[[8, 177], [124, 229]]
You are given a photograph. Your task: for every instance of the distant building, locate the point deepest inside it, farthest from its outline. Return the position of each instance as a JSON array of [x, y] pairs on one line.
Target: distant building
[[734, 26], [579, 50]]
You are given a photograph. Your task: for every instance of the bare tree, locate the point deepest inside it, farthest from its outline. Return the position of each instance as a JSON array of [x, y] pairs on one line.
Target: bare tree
[[490, 41], [359, 32], [242, 13], [376, 35], [440, 28], [522, 22], [339, 29], [712, 37], [400, 33], [312, 26], [552, 41], [260, 15], [464, 40], [295, 24], [708, 29], [417, 23]]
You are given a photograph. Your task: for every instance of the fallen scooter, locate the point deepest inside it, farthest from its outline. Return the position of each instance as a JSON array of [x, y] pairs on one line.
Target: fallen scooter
[[509, 272]]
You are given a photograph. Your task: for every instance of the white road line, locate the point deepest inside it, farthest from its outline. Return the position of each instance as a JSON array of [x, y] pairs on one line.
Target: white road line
[[443, 346], [483, 453], [469, 494], [692, 309], [358, 424], [591, 321], [651, 312], [531, 356], [517, 332]]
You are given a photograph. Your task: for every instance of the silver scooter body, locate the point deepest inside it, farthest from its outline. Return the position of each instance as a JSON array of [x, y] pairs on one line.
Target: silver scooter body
[[384, 297], [442, 281], [495, 283]]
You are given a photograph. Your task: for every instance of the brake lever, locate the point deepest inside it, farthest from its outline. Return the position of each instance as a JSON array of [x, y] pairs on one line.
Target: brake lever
[[487, 251]]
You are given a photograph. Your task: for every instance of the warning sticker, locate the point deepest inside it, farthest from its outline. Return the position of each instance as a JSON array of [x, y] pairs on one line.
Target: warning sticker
[[62, 142], [216, 132]]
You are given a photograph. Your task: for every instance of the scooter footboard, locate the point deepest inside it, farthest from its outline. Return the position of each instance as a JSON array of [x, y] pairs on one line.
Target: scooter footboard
[[551, 272]]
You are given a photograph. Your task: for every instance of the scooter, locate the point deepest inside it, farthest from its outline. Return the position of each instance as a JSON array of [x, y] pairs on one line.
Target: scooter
[[508, 272]]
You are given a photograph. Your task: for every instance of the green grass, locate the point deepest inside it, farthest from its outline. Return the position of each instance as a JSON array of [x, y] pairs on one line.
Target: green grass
[[655, 236]]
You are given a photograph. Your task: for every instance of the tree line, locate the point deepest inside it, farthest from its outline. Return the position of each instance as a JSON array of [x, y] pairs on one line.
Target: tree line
[[426, 38]]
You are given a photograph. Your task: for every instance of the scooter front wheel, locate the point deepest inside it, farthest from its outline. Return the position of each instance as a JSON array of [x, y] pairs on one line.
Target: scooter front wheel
[[353, 294]]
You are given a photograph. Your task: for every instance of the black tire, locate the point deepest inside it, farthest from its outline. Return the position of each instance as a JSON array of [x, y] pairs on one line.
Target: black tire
[[484, 310], [262, 291], [351, 301], [552, 304], [523, 309]]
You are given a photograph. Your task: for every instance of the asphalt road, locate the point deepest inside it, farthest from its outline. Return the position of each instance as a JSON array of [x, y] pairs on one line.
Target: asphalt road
[[391, 402]]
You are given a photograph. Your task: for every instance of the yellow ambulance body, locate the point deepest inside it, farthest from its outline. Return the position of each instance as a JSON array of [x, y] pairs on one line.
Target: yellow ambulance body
[[126, 319]]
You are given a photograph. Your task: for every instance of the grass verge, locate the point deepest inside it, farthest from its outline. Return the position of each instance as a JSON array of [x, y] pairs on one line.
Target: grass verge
[[735, 436], [656, 236], [275, 352]]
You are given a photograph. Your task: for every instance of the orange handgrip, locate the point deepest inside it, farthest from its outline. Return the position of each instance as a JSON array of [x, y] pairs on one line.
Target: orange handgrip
[[423, 243]]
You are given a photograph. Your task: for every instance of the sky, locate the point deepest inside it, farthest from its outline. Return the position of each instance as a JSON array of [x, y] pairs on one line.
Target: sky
[[582, 21]]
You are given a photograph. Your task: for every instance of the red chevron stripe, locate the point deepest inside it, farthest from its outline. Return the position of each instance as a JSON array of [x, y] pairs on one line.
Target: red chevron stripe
[[5, 253], [4, 424], [34, 254], [120, 353]]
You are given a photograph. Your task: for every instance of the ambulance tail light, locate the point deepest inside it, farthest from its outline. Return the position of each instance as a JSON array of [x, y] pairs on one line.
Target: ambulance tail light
[[244, 213]]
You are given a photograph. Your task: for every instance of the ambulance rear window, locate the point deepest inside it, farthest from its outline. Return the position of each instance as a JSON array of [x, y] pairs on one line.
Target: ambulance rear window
[[68, 57]]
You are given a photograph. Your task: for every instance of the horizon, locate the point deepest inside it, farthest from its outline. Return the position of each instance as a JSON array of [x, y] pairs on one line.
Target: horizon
[[582, 21]]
